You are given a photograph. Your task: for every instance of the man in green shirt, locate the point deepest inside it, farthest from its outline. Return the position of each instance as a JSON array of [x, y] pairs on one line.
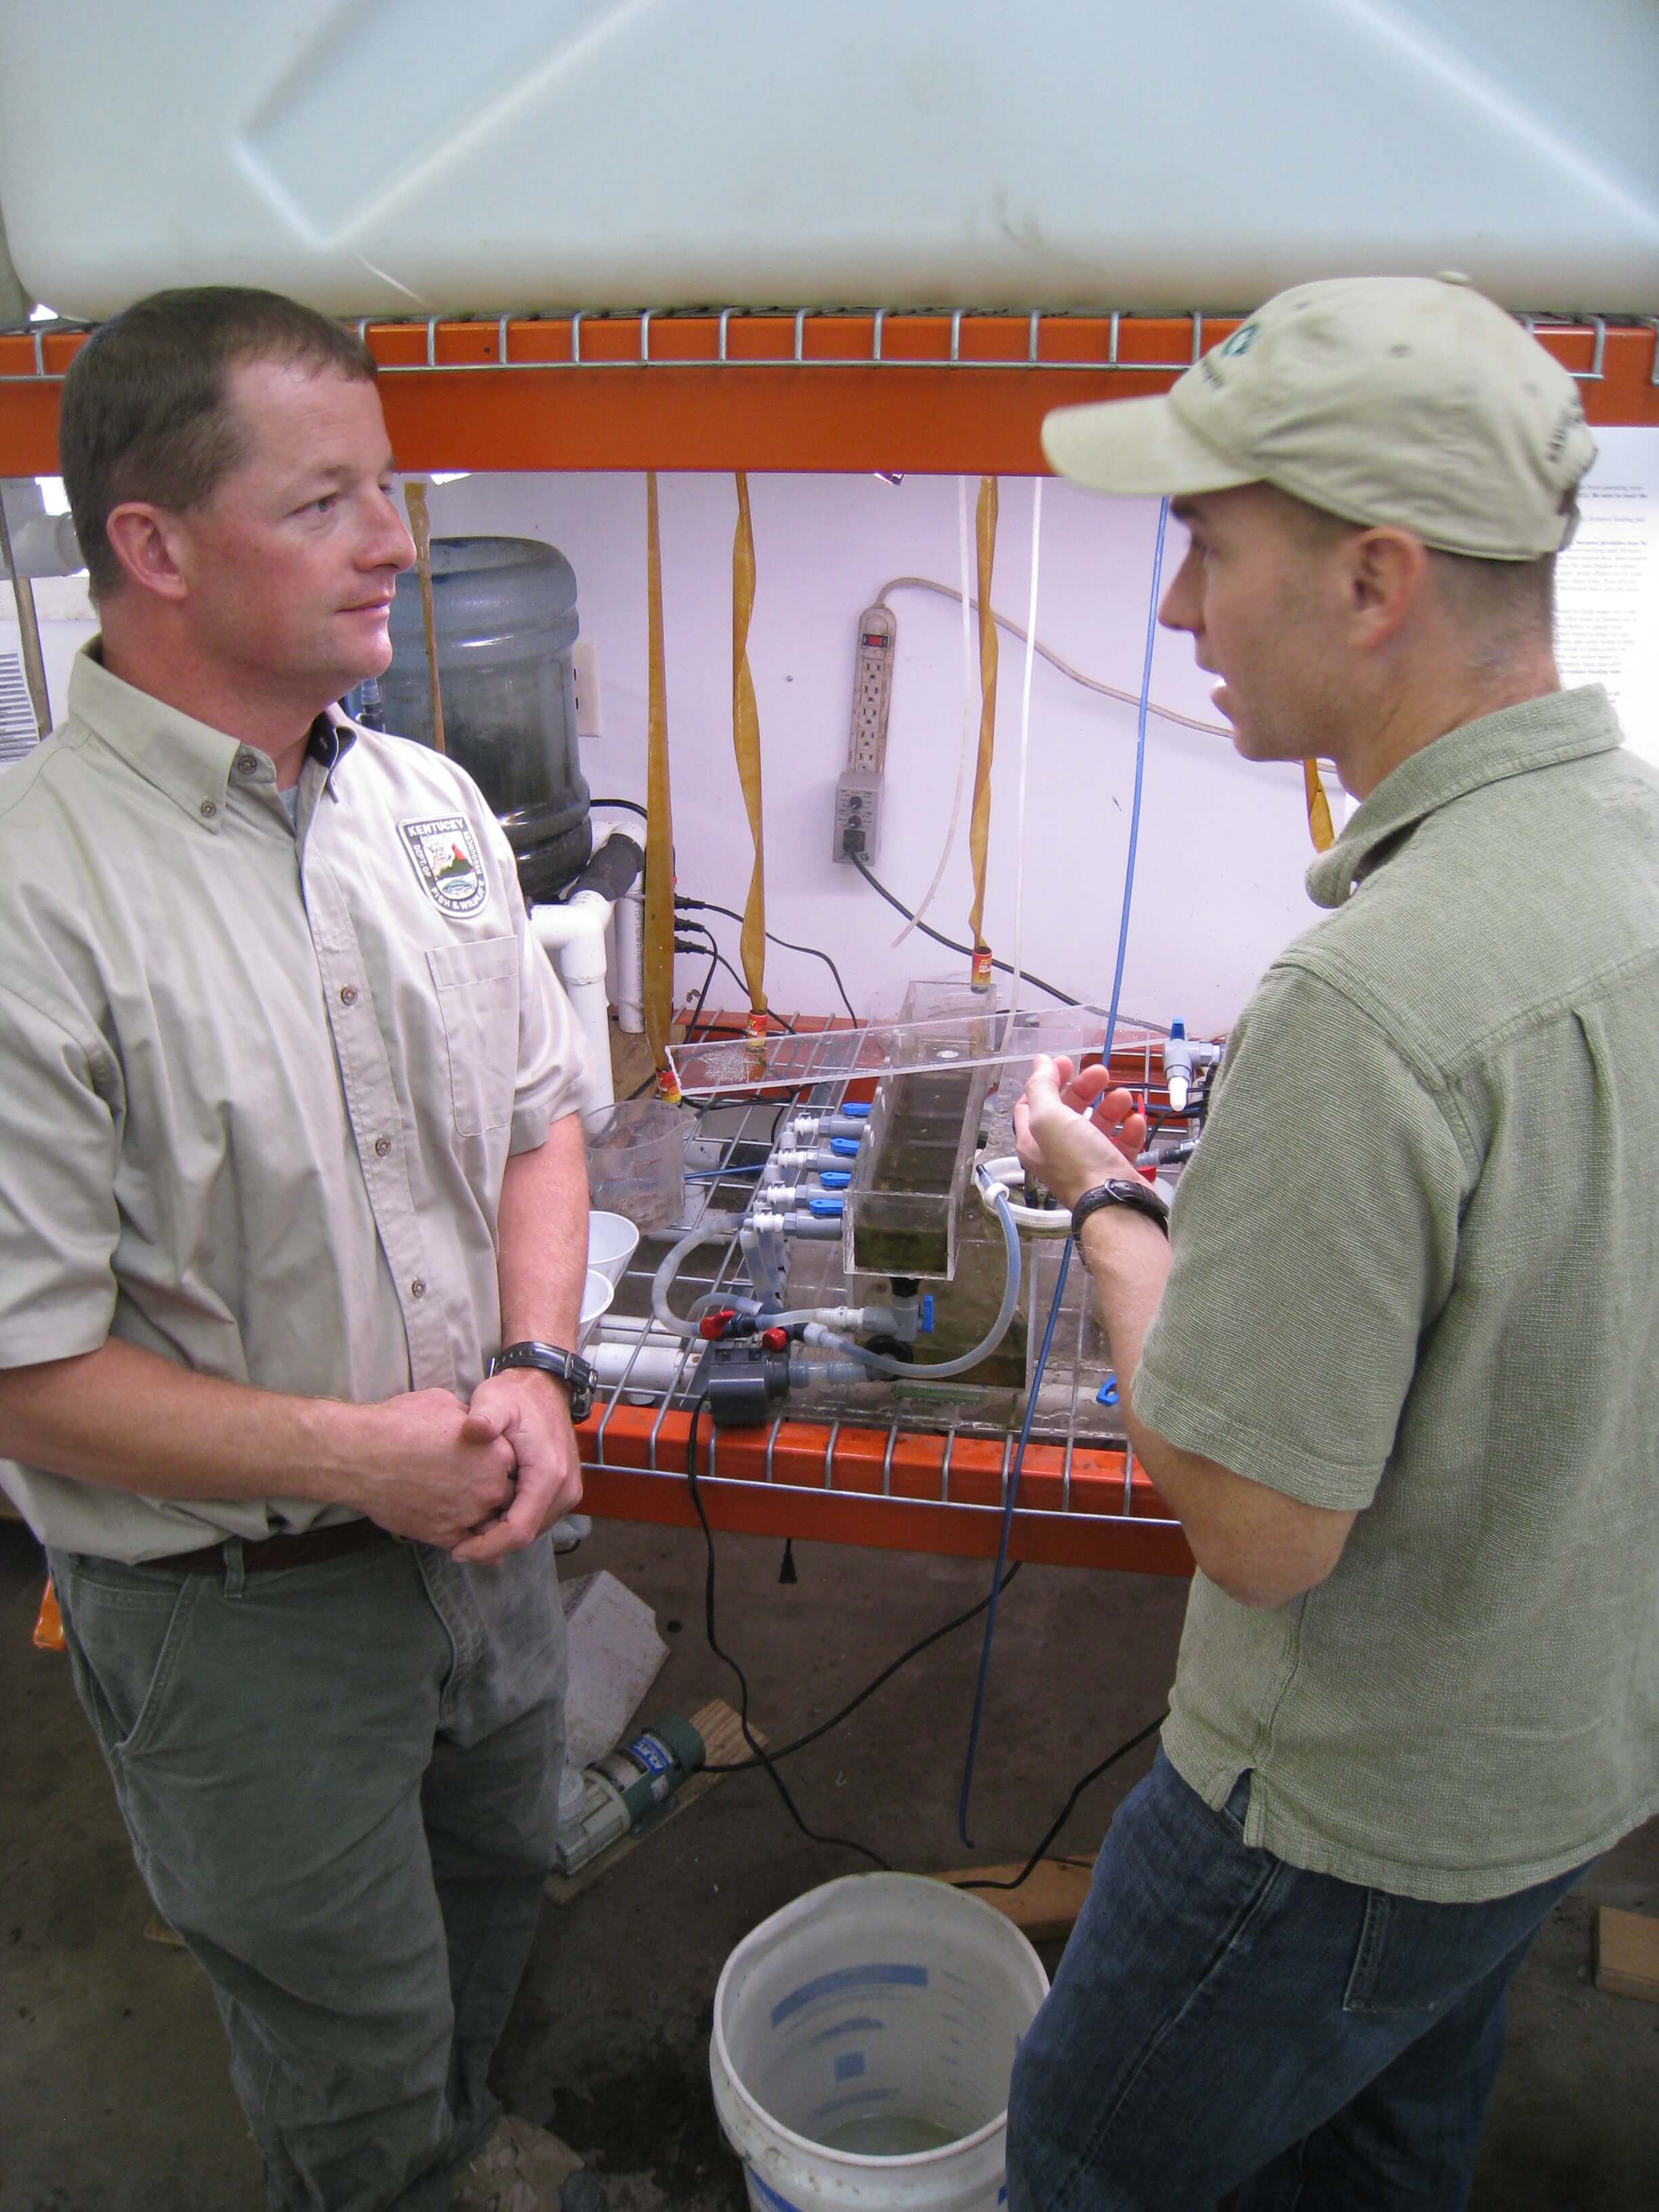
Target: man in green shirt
[[1395, 1356]]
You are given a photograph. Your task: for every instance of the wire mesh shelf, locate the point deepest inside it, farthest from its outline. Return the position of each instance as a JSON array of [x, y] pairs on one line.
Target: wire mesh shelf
[[925, 1475]]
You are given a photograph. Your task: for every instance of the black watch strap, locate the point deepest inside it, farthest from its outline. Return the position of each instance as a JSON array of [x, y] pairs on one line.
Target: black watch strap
[[1121, 1190], [577, 1377]]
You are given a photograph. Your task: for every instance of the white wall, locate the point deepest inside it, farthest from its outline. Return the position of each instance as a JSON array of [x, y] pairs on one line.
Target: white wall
[[66, 621], [1222, 844]]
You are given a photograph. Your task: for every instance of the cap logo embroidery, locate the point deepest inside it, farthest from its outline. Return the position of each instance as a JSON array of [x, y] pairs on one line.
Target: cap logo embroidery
[[445, 855], [1241, 341]]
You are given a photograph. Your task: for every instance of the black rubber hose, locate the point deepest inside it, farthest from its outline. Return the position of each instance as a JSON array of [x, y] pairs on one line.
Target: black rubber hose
[[613, 869]]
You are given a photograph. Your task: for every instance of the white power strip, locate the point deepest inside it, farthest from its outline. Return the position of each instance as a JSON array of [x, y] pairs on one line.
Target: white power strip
[[857, 791]]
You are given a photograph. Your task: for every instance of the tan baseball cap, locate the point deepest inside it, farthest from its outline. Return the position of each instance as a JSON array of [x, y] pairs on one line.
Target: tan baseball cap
[[1411, 400]]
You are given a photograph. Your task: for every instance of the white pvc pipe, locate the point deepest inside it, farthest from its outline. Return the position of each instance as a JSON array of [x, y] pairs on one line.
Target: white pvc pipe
[[630, 961], [627, 934], [572, 934], [647, 1366]]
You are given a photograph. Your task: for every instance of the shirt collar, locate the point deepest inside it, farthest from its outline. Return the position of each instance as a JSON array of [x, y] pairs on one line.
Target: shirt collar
[[188, 761], [1561, 725]]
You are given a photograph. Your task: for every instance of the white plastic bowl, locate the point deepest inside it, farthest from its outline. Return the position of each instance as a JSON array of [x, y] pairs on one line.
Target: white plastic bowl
[[611, 1238]]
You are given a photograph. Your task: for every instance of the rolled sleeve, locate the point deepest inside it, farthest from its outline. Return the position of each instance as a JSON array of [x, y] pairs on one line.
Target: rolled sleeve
[[58, 1219], [1314, 1239]]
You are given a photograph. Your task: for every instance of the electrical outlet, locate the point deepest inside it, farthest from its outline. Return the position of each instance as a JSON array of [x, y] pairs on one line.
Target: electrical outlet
[[858, 816], [872, 690], [584, 660]]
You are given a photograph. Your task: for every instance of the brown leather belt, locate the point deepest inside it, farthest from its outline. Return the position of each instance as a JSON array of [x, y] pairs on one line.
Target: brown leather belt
[[271, 1553]]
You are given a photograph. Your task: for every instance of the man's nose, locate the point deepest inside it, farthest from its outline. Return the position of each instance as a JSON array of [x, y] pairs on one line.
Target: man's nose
[[390, 546], [1178, 607]]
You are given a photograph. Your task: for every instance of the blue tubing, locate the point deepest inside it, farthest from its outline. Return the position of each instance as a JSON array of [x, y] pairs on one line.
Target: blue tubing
[[1060, 1285]]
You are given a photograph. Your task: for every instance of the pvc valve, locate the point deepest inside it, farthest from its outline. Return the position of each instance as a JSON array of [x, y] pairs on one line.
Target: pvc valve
[[714, 1325]]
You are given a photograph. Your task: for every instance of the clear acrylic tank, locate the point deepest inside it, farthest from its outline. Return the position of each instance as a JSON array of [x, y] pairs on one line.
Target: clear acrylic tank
[[505, 614]]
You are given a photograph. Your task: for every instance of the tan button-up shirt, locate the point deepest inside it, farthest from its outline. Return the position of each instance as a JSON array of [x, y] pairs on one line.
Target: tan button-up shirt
[[258, 1079]]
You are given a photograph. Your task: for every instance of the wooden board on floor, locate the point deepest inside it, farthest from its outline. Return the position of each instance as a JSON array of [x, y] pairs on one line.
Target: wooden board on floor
[[1627, 1955], [1046, 1904], [718, 1725]]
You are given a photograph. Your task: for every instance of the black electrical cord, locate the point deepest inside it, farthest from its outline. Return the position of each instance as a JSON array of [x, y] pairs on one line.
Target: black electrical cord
[[768, 1759], [632, 806], [743, 1765], [782, 1020], [950, 943], [695, 1015], [840, 1843], [719, 960], [1064, 1814], [712, 905]]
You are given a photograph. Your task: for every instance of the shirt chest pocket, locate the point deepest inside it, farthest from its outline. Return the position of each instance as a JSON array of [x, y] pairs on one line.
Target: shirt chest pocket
[[478, 991]]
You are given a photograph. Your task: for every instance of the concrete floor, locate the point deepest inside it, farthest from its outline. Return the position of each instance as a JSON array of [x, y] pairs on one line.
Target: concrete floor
[[113, 2096]]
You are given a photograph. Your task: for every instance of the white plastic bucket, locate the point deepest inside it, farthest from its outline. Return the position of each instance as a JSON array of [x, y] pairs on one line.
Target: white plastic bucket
[[611, 1238], [869, 2018], [597, 1291]]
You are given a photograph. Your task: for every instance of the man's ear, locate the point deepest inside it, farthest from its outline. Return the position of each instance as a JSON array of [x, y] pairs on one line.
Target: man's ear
[[146, 541], [1384, 573]]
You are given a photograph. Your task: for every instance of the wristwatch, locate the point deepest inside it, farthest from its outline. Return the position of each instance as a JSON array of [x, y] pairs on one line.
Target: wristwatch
[[1121, 1190], [577, 1377]]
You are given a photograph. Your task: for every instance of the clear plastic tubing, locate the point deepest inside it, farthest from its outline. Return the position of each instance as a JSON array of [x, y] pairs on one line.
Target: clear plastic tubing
[[877, 1363]]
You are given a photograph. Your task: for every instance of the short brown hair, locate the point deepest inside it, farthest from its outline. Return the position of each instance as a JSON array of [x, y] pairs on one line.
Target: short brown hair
[[146, 413], [1501, 606]]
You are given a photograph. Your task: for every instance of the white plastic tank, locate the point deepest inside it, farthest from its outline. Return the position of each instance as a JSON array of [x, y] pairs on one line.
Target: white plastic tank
[[412, 156]]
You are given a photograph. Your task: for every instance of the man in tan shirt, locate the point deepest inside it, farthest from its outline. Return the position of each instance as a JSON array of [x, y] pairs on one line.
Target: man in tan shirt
[[288, 1151]]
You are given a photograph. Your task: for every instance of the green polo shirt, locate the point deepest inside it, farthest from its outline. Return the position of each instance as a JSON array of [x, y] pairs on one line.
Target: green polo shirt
[[1415, 1276]]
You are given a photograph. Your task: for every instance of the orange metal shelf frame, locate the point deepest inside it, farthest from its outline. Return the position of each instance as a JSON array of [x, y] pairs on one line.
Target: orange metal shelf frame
[[944, 393], [911, 1492]]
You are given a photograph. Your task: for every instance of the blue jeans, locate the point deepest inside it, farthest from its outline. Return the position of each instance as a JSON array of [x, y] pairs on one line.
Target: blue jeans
[[1225, 2022], [341, 1782]]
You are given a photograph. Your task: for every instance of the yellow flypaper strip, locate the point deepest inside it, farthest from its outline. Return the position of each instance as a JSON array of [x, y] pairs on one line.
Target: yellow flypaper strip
[[745, 743], [658, 917], [420, 529], [979, 831], [1318, 808]]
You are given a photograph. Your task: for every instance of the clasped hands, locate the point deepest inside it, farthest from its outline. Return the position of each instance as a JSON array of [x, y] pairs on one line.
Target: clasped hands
[[477, 1479]]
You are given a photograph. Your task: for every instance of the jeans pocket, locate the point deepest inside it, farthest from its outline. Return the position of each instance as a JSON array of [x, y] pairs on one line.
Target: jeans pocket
[[1410, 1956], [1415, 1956], [125, 1641]]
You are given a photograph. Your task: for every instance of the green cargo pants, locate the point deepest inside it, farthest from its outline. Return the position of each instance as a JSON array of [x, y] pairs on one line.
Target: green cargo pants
[[341, 1782]]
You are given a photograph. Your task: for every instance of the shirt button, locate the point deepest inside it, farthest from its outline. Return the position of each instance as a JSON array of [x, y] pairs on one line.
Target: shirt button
[[247, 763], [348, 994], [417, 1288], [207, 809], [382, 1146]]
